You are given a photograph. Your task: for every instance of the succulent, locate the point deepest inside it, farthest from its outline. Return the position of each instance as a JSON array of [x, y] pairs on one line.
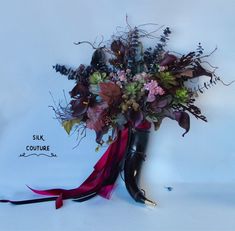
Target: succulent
[[181, 96], [97, 77], [166, 79]]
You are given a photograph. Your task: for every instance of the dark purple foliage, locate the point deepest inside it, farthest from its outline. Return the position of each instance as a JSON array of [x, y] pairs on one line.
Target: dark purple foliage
[[168, 60], [183, 120]]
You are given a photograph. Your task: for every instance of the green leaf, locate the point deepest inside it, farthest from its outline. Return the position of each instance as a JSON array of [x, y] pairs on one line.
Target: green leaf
[[68, 124]]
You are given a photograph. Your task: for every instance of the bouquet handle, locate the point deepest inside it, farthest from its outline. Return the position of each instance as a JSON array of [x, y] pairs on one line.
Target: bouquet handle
[[135, 155]]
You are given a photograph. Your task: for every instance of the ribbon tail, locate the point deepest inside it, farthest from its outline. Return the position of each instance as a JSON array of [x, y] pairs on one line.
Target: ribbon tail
[[100, 182], [107, 168], [59, 202], [49, 192], [106, 191], [23, 202]]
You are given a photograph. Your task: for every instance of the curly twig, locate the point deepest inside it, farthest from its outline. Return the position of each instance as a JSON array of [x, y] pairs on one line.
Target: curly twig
[[87, 42], [225, 84]]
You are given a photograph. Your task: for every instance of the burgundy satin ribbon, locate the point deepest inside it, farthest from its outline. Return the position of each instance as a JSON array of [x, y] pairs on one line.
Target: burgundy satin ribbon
[[101, 181]]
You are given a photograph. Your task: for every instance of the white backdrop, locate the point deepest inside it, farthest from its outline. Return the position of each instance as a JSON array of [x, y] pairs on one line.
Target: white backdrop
[[38, 34]]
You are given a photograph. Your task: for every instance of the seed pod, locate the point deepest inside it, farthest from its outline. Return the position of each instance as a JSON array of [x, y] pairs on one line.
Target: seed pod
[[135, 106], [124, 107]]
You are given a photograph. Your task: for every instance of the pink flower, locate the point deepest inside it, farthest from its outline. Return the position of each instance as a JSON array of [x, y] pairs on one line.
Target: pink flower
[[154, 89], [122, 75]]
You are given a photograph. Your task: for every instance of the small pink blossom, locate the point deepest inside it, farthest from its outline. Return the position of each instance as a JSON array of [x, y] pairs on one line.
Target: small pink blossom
[[141, 77], [122, 75], [154, 89]]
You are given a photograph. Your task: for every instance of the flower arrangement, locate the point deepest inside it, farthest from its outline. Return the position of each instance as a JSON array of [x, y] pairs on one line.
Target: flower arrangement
[[125, 90], [127, 84]]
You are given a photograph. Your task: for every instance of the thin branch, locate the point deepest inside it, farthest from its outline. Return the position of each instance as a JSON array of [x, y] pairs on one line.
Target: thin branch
[[65, 97], [208, 55], [225, 84], [129, 26], [152, 32], [53, 99], [87, 42], [214, 67], [148, 24], [84, 135], [102, 40]]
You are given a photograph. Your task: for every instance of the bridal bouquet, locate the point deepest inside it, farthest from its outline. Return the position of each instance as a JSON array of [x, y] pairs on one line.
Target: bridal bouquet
[[125, 90]]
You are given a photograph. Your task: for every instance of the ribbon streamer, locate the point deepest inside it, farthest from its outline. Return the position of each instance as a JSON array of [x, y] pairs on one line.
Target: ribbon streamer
[[101, 181]]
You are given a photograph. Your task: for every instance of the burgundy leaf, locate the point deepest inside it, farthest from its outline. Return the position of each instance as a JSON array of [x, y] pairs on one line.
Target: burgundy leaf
[[135, 117], [100, 134], [110, 92], [119, 51], [188, 73], [198, 70], [163, 103], [96, 116], [145, 125], [118, 48], [79, 106], [183, 120], [160, 103], [168, 60], [80, 90]]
